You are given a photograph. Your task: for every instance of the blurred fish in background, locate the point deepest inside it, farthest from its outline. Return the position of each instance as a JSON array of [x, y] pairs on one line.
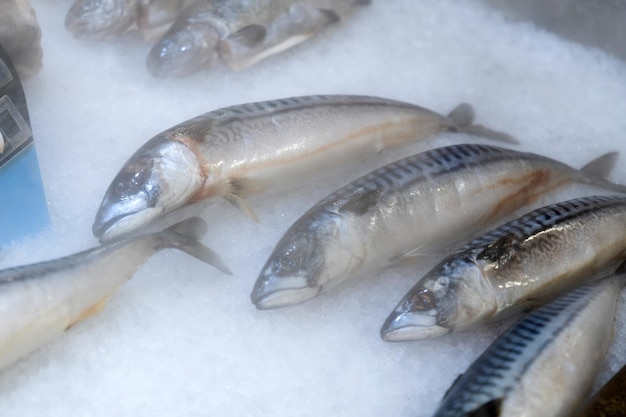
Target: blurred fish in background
[[20, 36], [238, 33], [106, 19]]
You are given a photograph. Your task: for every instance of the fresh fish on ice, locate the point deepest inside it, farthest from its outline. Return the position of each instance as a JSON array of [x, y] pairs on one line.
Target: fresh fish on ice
[[252, 148], [535, 257], [104, 19], [240, 32], [20, 36], [419, 204], [544, 365], [610, 401], [40, 301]]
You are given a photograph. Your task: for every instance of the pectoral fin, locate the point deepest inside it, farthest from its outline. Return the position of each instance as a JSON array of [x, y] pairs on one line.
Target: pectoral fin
[[242, 206], [240, 189], [250, 36], [409, 258]]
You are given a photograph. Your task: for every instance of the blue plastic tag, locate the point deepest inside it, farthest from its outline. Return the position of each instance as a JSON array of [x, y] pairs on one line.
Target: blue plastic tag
[[23, 208]]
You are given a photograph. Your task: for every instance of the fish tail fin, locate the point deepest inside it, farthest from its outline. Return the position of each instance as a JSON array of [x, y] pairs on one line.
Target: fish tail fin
[[185, 236], [597, 171], [462, 117]]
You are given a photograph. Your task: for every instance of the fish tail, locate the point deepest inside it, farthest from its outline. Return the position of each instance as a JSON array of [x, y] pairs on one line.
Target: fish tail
[[597, 171], [462, 117], [185, 236]]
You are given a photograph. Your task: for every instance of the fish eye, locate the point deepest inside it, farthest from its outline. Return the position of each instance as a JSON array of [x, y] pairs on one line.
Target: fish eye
[[122, 188], [422, 301], [132, 184], [286, 262], [290, 260]]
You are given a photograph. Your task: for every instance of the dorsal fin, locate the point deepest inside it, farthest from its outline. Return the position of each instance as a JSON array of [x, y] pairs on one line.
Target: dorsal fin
[[597, 171], [602, 166], [250, 36], [462, 117]]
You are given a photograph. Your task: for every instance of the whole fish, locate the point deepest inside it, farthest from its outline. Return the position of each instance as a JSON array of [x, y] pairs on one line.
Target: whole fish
[[545, 364], [103, 19], [421, 203], [610, 401], [40, 301], [251, 148], [20, 36], [240, 32], [537, 256]]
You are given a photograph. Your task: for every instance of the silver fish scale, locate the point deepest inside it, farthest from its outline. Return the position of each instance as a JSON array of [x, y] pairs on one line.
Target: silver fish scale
[[243, 121], [496, 371], [421, 167], [42, 269], [538, 220]]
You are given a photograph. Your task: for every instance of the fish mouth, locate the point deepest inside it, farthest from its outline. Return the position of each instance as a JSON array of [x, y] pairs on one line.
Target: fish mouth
[[168, 58], [106, 230], [276, 292], [409, 326]]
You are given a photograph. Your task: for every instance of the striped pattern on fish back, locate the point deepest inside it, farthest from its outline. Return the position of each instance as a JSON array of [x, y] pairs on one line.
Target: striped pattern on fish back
[[422, 167], [199, 126], [263, 108], [496, 372], [519, 230]]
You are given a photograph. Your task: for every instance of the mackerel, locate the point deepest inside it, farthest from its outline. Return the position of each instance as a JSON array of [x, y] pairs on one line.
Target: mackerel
[[419, 204], [261, 147], [241, 32], [543, 365], [527, 260], [105, 19], [38, 302]]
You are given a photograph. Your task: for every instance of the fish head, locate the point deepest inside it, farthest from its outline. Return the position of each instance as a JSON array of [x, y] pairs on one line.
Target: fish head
[[186, 48], [307, 261], [160, 177], [449, 298], [101, 19]]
